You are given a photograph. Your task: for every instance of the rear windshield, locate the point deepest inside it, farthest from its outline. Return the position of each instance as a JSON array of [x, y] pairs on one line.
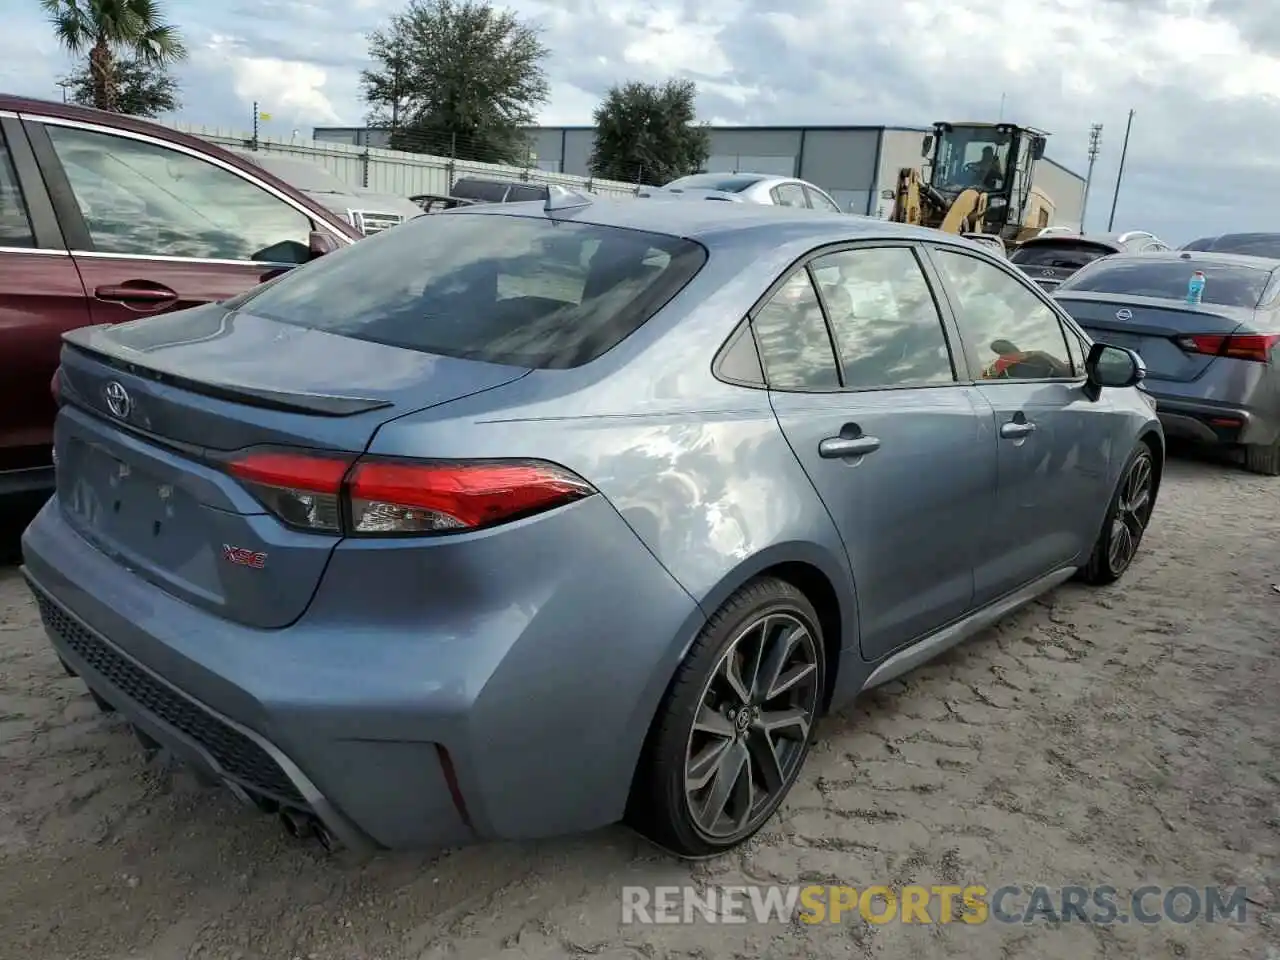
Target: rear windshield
[[1249, 244], [491, 191], [1226, 284], [726, 182], [1064, 254], [526, 291]]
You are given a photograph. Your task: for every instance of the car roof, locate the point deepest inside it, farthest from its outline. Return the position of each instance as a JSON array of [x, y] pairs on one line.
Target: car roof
[[120, 121], [715, 223], [1237, 237], [1110, 240]]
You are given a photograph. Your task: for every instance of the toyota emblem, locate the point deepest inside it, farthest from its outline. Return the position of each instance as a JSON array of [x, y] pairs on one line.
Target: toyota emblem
[[1124, 314], [118, 400]]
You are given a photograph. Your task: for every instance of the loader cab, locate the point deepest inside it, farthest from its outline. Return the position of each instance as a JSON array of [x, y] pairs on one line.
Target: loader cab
[[997, 159]]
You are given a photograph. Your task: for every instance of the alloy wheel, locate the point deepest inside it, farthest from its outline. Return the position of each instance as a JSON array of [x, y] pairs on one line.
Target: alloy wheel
[[1133, 512], [752, 726]]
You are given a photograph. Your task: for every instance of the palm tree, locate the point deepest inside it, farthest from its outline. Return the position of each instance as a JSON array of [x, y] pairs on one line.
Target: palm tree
[[104, 27]]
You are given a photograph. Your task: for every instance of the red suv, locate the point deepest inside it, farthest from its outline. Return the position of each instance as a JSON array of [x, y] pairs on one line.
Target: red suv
[[105, 218]]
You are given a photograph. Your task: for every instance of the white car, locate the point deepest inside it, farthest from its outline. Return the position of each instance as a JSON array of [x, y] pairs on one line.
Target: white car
[[746, 188], [367, 211]]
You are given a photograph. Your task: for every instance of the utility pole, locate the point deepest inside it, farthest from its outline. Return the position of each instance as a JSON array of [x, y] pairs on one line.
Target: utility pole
[[1124, 152], [1095, 143], [255, 125]]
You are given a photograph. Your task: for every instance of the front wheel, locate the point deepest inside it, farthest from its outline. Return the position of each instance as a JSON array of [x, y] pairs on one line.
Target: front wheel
[[735, 726], [1127, 517]]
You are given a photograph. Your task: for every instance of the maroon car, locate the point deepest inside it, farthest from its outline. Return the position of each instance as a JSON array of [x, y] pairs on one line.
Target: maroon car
[[105, 218]]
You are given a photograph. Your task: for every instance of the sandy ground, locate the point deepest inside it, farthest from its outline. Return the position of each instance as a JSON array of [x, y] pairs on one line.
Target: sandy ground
[[1121, 736]]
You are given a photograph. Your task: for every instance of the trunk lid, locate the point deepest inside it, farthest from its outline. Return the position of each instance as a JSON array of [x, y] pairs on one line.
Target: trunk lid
[[1151, 327], [145, 483]]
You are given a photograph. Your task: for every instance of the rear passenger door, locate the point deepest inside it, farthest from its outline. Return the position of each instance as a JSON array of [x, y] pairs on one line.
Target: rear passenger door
[[862, 380], [1052, 440], [153, 226], [41, 296]]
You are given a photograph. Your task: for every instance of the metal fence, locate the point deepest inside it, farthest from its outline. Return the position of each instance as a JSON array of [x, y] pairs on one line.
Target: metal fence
[[398, 173]]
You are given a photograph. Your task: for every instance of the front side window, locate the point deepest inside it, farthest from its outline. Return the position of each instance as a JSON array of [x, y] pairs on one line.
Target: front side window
[[144, 199], [1009, 332], [886, 325], [15, 224], [789, 195], [792, 338], [526, 291]]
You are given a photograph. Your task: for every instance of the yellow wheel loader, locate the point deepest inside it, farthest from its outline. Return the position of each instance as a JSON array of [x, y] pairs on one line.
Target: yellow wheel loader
[[975, 178]]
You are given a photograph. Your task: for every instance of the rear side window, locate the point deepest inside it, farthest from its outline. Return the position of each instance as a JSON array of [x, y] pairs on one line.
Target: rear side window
[[1063, 254], [1226, 284], [792, 337], [15, 225], [525, 291]]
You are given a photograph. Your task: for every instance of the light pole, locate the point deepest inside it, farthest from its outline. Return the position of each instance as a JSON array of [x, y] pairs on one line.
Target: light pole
[[1095, 144], [1124, 152]]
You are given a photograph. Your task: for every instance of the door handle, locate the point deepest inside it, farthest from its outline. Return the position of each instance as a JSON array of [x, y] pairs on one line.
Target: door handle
[[1017, 429], [836, 448], [136, 291]]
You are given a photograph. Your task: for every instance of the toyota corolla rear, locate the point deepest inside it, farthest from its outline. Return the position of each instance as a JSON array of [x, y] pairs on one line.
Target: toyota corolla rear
[[1211, 364], [358, 639]]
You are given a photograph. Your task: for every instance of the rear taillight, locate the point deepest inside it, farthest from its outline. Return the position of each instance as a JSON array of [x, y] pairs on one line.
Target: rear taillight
[[374, 497], [1240, 346], [303, 490]]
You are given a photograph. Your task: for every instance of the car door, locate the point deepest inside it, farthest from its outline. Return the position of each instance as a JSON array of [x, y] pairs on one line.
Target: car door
[[1052, 440], [154, 226], [863, 384], [41, 296]]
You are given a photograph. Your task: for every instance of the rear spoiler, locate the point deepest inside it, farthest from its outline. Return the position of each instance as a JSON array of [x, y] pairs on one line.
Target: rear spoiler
[[96, 342]]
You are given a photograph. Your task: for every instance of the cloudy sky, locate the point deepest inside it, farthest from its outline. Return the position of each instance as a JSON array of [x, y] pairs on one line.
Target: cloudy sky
[[1203, 75]]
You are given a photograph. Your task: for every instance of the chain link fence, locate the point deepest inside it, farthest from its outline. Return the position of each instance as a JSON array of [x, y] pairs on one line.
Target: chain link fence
[[401, 173]]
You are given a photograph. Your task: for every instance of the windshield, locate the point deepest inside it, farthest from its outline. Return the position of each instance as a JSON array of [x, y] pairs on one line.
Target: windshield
[[726, 182], [1226, 284], [526, 291], [1060, 254], [302, 175], [972, 157]]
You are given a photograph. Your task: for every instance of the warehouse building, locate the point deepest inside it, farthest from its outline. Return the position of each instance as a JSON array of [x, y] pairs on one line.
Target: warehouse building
[[856, 165]]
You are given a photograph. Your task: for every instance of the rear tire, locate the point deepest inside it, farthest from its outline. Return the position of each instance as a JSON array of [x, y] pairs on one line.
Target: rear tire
[[735, 726], [1262, 459], [1126, 522]]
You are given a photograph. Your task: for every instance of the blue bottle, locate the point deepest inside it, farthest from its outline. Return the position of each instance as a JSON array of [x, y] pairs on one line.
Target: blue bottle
[[1195, 287]]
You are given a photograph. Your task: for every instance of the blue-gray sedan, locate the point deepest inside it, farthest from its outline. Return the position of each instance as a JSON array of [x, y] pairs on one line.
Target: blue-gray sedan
[[521, 520]]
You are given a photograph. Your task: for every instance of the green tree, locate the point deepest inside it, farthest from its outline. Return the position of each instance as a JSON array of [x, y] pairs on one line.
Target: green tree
[[141, 90], [456, 75], [648, 133], [105, 28]]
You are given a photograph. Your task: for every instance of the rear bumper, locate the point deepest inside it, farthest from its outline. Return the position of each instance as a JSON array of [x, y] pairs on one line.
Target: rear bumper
[[523, 717], [1214, 422]]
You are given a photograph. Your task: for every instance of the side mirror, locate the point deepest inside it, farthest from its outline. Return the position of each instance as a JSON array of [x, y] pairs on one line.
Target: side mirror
[[1115, 367], [926, 145], [319, 243], [1037, 150]]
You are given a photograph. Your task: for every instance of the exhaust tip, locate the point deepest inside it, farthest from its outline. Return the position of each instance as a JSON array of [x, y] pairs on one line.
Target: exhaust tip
[[296, 824]]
